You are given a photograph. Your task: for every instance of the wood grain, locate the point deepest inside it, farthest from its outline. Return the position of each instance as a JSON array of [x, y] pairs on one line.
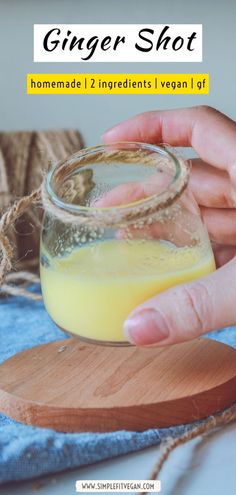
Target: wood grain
[[74, 386]]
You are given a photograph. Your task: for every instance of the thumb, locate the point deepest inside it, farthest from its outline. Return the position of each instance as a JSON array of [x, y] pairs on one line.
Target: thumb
[[186, 311]]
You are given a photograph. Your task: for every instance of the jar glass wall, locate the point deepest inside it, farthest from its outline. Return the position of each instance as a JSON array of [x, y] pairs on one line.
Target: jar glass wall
[[120, 226]]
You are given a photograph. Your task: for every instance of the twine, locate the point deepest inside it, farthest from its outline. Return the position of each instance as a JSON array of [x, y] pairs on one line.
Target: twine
[[9, 285], [24, 159], [80, 185], [7, 251], [208, 426], [68, 186], [21, 277], [7, 220]]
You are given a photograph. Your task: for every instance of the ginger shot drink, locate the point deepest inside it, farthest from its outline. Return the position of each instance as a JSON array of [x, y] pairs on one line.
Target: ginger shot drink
[[120, 226]]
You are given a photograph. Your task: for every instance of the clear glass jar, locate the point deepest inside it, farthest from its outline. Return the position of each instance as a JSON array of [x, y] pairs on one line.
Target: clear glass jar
[[120, 226]]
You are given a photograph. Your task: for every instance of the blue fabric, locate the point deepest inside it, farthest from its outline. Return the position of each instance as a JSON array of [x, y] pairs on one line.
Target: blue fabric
[[27, 452]]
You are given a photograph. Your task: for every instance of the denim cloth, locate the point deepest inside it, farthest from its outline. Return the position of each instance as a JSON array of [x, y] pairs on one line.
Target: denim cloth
[[27, 452]]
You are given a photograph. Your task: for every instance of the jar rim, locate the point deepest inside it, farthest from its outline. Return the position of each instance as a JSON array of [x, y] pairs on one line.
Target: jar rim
[[158, 200]]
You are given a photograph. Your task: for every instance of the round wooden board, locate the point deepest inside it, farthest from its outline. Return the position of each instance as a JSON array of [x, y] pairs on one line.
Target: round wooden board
[[73, 386]]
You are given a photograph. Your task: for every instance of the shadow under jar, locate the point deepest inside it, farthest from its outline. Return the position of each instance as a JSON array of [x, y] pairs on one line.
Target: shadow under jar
[[120, 226]]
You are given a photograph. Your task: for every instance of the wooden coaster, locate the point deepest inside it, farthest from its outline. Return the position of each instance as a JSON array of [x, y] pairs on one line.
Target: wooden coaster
[[73, 386]]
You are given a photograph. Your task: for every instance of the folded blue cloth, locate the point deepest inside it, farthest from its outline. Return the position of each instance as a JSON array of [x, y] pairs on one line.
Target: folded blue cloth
[[27, 452]]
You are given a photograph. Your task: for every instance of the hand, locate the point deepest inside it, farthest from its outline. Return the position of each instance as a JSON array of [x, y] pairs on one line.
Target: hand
[[189, 310]]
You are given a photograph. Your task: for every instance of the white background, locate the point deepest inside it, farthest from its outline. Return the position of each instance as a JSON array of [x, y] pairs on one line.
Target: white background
[[125, 52]]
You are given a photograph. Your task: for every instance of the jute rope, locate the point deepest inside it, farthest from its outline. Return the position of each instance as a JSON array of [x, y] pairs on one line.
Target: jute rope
[[23, 278], [24, 159], [15, 282], [209, 425], [78, 185], [7, 220]]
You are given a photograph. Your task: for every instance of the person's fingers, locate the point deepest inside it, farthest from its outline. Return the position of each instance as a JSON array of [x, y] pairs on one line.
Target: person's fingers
[[133, 191], [223, 254], [186, 311], [209, 132], [211, 187], [220, 224], [120, 195], [170, 229]]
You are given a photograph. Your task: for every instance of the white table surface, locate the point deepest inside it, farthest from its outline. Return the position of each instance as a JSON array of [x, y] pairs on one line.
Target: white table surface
[[202, 467]]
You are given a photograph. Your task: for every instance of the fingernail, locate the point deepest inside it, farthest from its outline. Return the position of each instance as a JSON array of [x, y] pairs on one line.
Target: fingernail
[[106, 135], [233, 174], [146, 326]]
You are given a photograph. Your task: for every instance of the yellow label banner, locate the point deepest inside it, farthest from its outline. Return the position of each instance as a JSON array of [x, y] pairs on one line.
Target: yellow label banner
[[117, 83]]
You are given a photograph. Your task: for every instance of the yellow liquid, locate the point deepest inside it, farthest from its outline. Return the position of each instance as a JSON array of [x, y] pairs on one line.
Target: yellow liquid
[[92, 290]]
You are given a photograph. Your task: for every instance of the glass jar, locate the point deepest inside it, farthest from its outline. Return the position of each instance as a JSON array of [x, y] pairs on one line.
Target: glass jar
[[120, 226]]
